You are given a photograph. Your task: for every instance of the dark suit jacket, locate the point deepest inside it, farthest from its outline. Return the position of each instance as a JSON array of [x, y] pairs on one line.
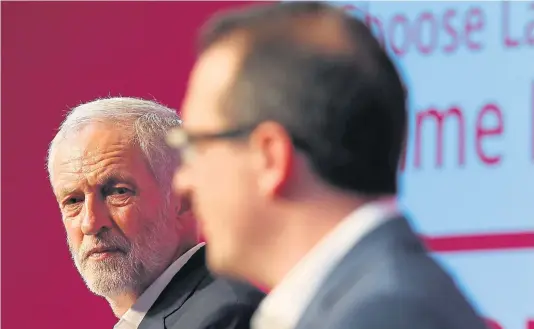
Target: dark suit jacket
[[194, 299], [388, 281]]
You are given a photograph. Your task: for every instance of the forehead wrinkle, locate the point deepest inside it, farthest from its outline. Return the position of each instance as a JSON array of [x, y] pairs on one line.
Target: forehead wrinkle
[[89, 167], [85, 158], [102, 176]]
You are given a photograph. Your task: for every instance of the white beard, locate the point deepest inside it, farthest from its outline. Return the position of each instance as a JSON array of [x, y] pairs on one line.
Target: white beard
[[132, 271]]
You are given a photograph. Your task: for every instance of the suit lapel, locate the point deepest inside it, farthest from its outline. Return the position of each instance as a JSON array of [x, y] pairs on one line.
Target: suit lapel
[[396, 233], [181, 287]]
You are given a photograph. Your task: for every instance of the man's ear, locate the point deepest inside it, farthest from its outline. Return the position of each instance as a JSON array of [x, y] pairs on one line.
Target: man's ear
[[186, 219], [275, 157], [183, 206]]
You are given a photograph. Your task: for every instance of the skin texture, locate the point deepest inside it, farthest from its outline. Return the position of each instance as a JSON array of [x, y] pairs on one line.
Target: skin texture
[[111, 202]]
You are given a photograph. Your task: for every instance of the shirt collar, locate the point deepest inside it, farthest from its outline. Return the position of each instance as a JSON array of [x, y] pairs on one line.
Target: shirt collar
[[133, 317], [284, 305]]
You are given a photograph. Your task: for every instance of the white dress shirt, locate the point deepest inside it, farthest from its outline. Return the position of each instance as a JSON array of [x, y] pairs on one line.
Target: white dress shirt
[[133, 317], [284, 305]]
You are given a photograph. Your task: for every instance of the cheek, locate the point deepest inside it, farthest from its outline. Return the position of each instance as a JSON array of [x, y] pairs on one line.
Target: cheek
[[127, 220], [226, 197], [74, 234]]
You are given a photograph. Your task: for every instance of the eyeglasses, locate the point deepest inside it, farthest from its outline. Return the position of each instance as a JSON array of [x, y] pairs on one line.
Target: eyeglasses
[[182, 140]]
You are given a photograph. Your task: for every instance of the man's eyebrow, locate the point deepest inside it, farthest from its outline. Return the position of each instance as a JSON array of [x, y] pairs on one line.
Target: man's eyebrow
[[114, 178], [64, 191], [108, 179]]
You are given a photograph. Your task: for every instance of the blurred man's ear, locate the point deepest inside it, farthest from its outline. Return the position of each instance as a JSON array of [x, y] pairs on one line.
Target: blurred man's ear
[[183, 207]]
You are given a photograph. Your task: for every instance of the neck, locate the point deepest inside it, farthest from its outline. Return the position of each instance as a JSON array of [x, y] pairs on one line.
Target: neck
[[121, 304], [304, 224]]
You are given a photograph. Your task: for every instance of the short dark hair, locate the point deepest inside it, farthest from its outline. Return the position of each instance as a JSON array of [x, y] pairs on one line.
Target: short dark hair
[[345, 106]]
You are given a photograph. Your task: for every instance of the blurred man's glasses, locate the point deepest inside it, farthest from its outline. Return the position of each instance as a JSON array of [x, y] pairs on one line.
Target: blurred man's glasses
[[182, 140]]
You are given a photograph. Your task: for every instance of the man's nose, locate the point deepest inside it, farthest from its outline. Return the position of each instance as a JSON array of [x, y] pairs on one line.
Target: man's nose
[[95, 216]]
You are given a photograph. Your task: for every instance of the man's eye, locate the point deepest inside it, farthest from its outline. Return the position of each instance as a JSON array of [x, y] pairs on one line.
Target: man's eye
[[73, 200], [119, 196], [121, 190]]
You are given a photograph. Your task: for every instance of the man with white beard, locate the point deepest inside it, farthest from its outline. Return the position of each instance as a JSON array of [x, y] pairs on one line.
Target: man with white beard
[[132, 239]]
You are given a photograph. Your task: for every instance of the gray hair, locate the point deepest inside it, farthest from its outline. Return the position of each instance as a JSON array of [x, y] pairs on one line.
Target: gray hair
[[147, 120]]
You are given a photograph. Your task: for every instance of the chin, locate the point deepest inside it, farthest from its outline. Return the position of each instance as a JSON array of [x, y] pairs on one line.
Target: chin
[[223, 263], [110, 291], [107, 285]]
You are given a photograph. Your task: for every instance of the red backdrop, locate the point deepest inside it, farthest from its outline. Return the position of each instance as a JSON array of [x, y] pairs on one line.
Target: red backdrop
[[54, 56]]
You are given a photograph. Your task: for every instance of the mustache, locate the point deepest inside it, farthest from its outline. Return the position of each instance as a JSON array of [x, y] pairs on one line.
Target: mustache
[[103, 241]]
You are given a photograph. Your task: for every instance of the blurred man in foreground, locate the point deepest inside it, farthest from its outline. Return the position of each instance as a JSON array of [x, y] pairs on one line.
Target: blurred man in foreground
[[294, 125], [133, 241]]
